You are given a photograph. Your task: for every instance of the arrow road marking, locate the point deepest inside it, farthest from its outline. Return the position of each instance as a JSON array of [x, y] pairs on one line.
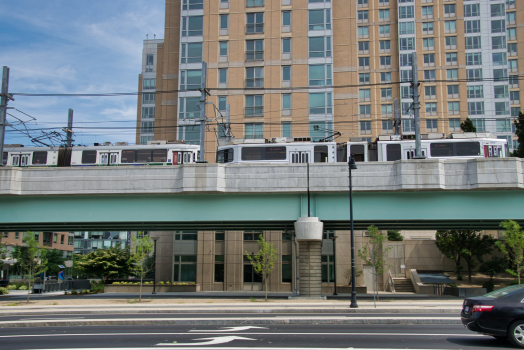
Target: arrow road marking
[[212, 341], [229, 329]]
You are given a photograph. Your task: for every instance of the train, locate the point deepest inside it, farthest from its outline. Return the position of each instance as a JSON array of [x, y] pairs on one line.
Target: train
[[278, 150]]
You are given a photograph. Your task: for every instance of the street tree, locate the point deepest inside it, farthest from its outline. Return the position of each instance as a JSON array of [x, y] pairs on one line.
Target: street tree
[[264, 260], [512, 245], [394, 235], [464, 245], [374, 253], [31, 259], [519, 131], [54, 258], [107, 264], [142, 248], [467, 126]]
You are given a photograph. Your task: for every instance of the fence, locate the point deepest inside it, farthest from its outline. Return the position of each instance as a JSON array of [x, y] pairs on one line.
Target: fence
[[56, 286]]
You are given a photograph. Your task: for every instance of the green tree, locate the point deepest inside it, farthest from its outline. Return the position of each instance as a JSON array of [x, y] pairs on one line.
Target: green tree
[[107, 263], [142, 249], [494, 266], [374, 253], [519, 130], [31, 260], [264, 260], [512, 245], [469, 245], [467, 126], [395, 236], [54, 258]]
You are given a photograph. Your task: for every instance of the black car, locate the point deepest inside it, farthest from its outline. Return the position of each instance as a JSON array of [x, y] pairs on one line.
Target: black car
[[499, 314]]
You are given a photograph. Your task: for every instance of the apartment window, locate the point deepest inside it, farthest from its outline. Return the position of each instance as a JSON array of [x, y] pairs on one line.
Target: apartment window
[[362, 17], [62, 239], [450, 10], [364, 95], [184, 269], [254, 131], [429, 60], [150, 59], [363, 62], [405, 108], [503, 125], [405, 59], [219, 268], [497, 10], [320, 103], [148, 84], [147, 127], [387, 126], [510, 4], [513, 81], [427, 12], [320, 46], [453, 91], [224, 24], [385, 62], [363, 47], [515, 111], [475, 108], [431, 108], [386, 94], [475, 91], [406, 44], [501, 91], [499, 58], [452, 74], [363, 78], [148, 98], [385, 77], [254, 50], [431, 125], [387, 111], [190, 79], [287, 269], [429, 75], [406, 92], [428, 44], [191, 53], [254, 77], [55, 237], [472, 26], [406, 11], [454, 124], [384, 31], [223, 49], [192, 4], [451, 43], [450, 27], [363, 32], [502, 108], [472, 10], [222, 103], [512, 33], [408, 125], [383, 2], [473, 58], [362, 3], [321, 19], [406, 75], [406, 28], [192, 25], [222, 75], [453, 107], [427, 28], [479, 124], [473, 42], [254, 3], [286, 45], [365, 128], [451, 59], [148, 112], [145, 139], [320, 75], [500, 74], [189, 108], [498, 26], [513, 66], [255, 23], [254, 106], [286, 129], [514, 97], [286, 101], [430, 92], [511, 18], [474, 74], [512, 49], [286, 18], [365, 111], [385, 46], [383, 15]]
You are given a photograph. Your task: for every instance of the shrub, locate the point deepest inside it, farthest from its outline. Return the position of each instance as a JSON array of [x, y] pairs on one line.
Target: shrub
[[489, 286], [97, 287], [453, 285], [513, 283], [3, 290], [161, 282], [11, 287], [22, 287], [74, 292]]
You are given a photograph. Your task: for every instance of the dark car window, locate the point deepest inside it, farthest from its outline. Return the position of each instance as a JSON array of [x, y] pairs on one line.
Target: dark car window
[[505, 291]]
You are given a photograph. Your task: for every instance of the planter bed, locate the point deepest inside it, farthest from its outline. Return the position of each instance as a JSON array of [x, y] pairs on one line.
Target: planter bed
[[148, 288]]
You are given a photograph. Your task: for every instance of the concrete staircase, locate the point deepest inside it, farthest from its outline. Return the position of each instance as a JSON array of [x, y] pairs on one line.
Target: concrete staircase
[[403, 285]]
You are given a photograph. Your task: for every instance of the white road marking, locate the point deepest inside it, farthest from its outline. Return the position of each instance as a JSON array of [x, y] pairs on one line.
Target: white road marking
[[229, 329], [232, 348], [212, 341]]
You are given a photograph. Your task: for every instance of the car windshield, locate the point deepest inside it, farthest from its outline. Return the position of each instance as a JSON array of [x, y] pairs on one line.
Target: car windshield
[[504, 291]]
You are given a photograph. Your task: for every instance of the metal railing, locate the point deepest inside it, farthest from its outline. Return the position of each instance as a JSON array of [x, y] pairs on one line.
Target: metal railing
[[390, 285]]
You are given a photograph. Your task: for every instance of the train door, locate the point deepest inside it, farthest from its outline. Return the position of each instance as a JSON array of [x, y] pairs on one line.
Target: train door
[[15, 160], [492, 151], [20, 159], [410, 153], [300, 156], [108, 158], [182, 157]]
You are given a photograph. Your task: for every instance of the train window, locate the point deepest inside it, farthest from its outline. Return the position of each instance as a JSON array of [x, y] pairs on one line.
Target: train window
[[275, 153], [129, 156], [321, 154], [225, 155], [357, 151], [393, 152], [160, 155], [88, 157], [441, 149], [143, 156], [4, 158], [252, 153], [468, 149], [40, 157]]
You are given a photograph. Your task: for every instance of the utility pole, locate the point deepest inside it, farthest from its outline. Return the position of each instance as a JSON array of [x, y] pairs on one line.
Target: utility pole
[[69, 128], [203, 96], [4, 97], [416, 107], [397, 119]]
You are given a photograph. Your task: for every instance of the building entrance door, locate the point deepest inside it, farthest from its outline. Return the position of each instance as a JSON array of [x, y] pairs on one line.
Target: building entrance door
[[252, 280]]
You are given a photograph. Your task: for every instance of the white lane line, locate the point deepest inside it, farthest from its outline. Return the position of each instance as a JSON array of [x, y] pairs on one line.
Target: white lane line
[[51, 318], [232, 348]]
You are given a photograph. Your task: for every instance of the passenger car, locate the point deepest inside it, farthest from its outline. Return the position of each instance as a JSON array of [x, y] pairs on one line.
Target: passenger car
[[499, 314]]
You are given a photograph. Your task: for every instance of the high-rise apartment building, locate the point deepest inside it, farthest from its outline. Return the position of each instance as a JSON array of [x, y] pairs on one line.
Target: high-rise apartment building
[[309, 68]]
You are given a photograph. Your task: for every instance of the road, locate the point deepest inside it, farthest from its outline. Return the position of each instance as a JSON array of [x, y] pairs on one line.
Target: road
[[274, 337]]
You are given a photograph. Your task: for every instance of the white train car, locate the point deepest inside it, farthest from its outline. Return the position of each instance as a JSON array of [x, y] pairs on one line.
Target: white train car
[[31, 156], [281, 152]]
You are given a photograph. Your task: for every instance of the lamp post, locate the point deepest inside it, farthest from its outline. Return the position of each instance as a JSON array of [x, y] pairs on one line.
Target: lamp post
[[154, 268], [352, 165], [334, 238]]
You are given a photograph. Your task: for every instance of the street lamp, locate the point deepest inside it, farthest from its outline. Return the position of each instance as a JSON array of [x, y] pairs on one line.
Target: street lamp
[[334, 238], [352, 165], [154, 264]]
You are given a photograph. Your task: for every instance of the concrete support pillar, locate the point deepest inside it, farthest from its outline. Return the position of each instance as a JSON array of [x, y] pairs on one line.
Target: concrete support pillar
[[310, 269]]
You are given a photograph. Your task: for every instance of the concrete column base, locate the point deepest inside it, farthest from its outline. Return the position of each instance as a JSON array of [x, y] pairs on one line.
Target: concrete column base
[[310, 269]]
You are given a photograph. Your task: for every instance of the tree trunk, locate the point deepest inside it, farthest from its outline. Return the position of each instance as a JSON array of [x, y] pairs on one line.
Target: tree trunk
[[265, 286], [140, 290]]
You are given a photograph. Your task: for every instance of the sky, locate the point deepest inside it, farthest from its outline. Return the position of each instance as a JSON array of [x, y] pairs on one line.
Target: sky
[[75, 47]]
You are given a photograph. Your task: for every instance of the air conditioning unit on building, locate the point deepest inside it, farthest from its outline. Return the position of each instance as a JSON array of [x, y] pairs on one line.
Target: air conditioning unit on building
[[121, 143]]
